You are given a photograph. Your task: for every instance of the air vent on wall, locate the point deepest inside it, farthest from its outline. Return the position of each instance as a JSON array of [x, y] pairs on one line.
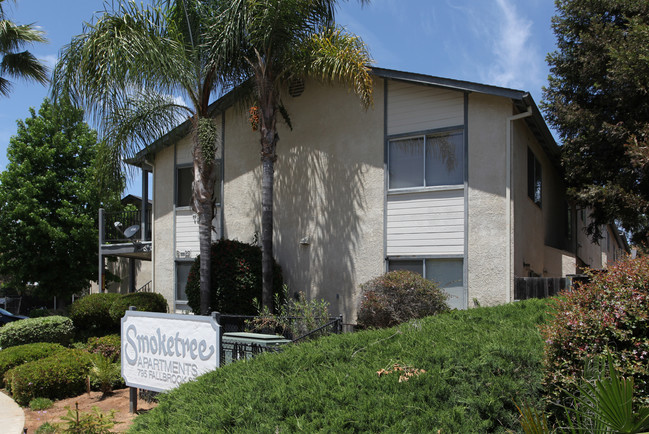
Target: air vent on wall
[[296, 87]]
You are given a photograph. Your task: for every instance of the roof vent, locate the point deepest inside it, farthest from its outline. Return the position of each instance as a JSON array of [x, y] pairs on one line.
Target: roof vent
[[296, 87]]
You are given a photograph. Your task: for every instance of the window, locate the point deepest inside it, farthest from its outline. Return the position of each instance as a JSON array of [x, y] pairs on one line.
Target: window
[[430, 160], [447, 272], [534, 178], [184, 180], [182, 273]]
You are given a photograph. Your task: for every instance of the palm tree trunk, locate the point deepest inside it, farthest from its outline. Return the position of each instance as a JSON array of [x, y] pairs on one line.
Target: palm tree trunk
[[205, 216], [267, 179], [204, 180]]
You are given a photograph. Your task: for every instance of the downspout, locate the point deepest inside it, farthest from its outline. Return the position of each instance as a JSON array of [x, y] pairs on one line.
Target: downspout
[[508, 198]]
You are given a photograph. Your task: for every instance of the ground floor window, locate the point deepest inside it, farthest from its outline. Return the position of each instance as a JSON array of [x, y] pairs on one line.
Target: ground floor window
[[182, 272], [447, 272]]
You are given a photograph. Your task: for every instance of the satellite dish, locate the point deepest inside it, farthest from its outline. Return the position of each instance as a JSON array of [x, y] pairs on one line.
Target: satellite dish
[[131, 230]]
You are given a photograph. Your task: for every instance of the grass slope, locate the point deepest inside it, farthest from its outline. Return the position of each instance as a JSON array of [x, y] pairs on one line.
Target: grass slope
[[477, 363]]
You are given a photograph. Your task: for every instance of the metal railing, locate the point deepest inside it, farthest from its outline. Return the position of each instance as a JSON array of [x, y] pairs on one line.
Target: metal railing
[[114, 233], [232, 351], [147, 287], [240, 323]]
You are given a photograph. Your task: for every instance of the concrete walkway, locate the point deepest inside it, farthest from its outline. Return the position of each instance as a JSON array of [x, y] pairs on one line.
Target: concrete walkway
[[12, 418]]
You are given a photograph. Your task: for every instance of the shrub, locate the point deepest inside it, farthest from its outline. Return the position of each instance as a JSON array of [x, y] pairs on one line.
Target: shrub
[[39, 312], [609, 316], [143, 301], [56, 329], [38, 404], [58, 376], [92, 422], [105, 375], [236, 278], [91, 314], [294, 319], [399, 296], [108, 346], [15, 356]]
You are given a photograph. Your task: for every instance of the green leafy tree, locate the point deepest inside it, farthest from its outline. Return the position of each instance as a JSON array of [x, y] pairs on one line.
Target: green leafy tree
[[597, 99], [49, 201], [128, 68], [15, 63], [270, 43]]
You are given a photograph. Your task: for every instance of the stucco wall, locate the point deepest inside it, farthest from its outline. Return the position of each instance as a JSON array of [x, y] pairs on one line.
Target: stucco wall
[[487, 226], [120, 267], [329, 192], [163, 218]]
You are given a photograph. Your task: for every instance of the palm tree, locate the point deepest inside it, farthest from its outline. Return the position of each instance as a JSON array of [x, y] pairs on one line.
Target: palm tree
[[16, 63], [272, 42], [127, 70]]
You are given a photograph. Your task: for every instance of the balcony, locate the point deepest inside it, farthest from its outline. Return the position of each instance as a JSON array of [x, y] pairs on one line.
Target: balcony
[[120, 234]]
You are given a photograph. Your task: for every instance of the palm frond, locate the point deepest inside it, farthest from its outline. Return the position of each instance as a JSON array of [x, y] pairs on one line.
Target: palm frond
[[23, 65], [141, 119], [334, 55], [13, 37], [126, 48]]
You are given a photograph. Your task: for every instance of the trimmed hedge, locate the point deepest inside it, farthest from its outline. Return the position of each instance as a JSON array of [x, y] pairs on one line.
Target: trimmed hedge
[[61, 375], [100, 314], [92, 313], [56, 329], [143, 301], [236, 279], [15, 356], [399, 296]]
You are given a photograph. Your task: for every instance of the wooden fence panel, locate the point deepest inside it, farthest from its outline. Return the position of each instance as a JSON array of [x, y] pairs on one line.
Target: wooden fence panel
[[539, 287]]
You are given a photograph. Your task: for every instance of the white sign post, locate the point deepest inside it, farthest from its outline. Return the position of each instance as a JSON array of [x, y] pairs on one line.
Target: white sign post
[[161, 351]]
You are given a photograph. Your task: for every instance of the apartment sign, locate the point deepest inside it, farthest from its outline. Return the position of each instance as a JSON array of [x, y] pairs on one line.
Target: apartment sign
[[161, 351]]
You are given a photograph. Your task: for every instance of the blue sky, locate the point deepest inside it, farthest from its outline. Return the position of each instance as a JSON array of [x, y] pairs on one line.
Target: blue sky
[[497, 42]]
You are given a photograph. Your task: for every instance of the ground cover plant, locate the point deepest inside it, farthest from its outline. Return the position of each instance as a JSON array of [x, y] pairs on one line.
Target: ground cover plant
[[608, 317], [460, 371]]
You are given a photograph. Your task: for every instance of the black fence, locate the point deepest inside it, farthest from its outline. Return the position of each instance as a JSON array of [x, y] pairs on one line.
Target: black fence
[[231, 351], [543, 287], [116, 223]]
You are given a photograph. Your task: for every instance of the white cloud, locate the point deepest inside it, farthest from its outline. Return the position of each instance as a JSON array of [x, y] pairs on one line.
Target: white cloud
[[516, 61], [49, 60]]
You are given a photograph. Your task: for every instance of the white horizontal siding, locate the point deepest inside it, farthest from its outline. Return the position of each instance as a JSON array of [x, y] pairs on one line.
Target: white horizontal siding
[[187, 240], [425, 223], [414, 107]]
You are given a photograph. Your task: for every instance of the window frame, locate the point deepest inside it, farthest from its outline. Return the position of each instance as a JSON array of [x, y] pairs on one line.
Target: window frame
[[424, 260], [449, 131], [190, 167]]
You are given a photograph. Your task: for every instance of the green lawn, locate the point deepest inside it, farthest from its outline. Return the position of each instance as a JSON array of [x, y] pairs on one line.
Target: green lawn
[[477, 363]]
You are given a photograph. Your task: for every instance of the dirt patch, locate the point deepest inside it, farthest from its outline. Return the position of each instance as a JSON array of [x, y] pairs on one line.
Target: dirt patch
[[118, 401]]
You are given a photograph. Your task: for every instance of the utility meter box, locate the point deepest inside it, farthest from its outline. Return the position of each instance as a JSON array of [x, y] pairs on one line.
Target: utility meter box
[[243, 345]]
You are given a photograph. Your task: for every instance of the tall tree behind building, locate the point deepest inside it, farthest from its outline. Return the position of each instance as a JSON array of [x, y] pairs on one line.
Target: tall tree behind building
[[49, 201], [597, 99]]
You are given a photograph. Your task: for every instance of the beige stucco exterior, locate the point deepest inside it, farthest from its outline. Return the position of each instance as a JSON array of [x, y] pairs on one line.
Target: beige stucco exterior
[[120, 267], [331, 196]]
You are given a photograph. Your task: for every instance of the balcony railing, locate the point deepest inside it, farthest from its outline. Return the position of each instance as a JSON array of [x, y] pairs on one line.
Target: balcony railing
[[115, 226]]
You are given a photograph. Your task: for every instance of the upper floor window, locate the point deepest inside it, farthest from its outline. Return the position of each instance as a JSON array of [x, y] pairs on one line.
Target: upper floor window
[[424, 161], [184, 180], [534, 178]]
